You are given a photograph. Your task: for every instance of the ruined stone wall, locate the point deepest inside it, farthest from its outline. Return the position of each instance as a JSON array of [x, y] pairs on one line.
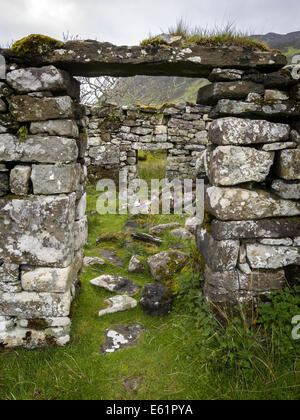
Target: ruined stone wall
[[251, 239], [43, 226], [116, 134]]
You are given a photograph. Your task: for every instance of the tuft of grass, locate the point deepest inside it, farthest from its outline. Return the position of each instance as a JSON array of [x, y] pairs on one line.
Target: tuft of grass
[[218, 36]]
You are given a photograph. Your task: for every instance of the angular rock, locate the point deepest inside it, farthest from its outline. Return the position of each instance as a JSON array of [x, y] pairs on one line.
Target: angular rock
[[81, 205], [38, 149], [192, 223], [276, 95], [221, 286], [225, 75], [105, 154], [4, 183], [52, 179], [118, 304], [286, 190], [281, 79], [144, 237], [26, 108], [182, 234], [166, 263], [88, 261], [63, 128], [279, 146], [272, 257], [281, 241], [211, 94], [241, 204], [271, 110], [160, 229], [10, 278], [251, 229], [156, 299], [116, 284], [20, 180], [35, 305], [237, 131], [232, 165], [80, 233], [136, 265], [51, 280], [31, 339], [288, 164], [38, 231], [121, 337], [218, 255]]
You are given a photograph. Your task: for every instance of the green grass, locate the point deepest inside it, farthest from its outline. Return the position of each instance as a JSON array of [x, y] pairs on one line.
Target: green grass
[[168, 360], [152, 165], [218, 36]]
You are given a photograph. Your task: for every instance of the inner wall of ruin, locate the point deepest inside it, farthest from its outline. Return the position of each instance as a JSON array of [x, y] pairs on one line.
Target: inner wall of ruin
[[243, 135]]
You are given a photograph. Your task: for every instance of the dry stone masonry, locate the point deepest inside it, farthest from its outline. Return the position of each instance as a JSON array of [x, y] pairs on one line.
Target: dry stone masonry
[[42, 206], [253, 193]]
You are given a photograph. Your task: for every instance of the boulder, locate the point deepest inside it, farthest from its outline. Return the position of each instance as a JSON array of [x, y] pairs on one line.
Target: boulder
[[272, 257], [241, 204], [237, 131], [52, 179], [136, 265], [288, 164], [182, 234], [238, 90], [118, 304], [232, 165], [166, 263], [116, 284], [156, 299]]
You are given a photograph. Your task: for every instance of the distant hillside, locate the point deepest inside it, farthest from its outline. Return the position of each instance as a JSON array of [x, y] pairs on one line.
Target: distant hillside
[[149, 90]]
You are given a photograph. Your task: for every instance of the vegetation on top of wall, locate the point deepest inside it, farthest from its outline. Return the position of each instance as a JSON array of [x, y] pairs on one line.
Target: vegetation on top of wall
[[228, 35], [34, 45]]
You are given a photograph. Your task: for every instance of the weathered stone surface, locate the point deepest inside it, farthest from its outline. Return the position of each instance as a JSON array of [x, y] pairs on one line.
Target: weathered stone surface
[[272, 257], [271, 110], [144, 237], [281, 241], [80, 233], [48, 79], [35, 305], [136, 265], [38, 149], [52, 179], [31, 339], [116, 284], [3, 106], [182, 234], [251, 229], [4, 90], [118, 304], [10, 278], [152, 146], [218, 255], [281, 79], [221, 286], [279, 146], [121, 337], [106, 154], [20, 180], [37, 230], [51, 280], [192, 223], [286, 190], [63, 128], [166, 263], [288, 164], [26, 108], [160, 229], [225, 75], [237, 131], [156, 299], [276, 95], [92, 58], [232, 165], [4, 183], [8, 124], [262, 281], [45, 323], [211, 94], [88, 261], [242, 204]]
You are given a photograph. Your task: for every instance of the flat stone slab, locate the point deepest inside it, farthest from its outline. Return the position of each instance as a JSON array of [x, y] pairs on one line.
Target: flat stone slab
[[91, 59], [121, 337], [88, 261], [144, 237], [111, 257], [118, 304], [160, 229], [116, 284]]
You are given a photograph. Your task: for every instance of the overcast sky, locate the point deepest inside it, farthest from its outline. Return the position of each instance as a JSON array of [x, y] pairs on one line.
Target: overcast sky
[[126, 22]]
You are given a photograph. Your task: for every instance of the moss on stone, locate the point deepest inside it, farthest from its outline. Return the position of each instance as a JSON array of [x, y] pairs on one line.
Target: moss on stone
[[34, 45], [154, 42]]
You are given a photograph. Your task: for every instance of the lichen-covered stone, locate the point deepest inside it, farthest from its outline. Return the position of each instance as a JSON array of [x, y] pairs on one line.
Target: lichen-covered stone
[[166, 263], [288, 164], [272, 257], [80, 233], [20, 179], [225, 75], [211, 94], [49, 79], [242, 204], [182, 234], [237, 131], [38, 149], [10, 278], [53, 179], [251, 229], [106, 154], [136, 265], [63, 128], [25, 108], [160, 229], [118, 304], [156, 299], [232, 165], [38, 230], [116, 284], [4, 183], [218, 255], [286, 190], [51, 280], [279, 146]]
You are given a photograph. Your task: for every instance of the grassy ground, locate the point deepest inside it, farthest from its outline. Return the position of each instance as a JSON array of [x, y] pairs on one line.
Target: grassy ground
[[152, 165], [168, 366]]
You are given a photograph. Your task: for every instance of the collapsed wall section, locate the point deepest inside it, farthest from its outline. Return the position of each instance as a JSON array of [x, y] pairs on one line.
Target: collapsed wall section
[[43, 226]]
